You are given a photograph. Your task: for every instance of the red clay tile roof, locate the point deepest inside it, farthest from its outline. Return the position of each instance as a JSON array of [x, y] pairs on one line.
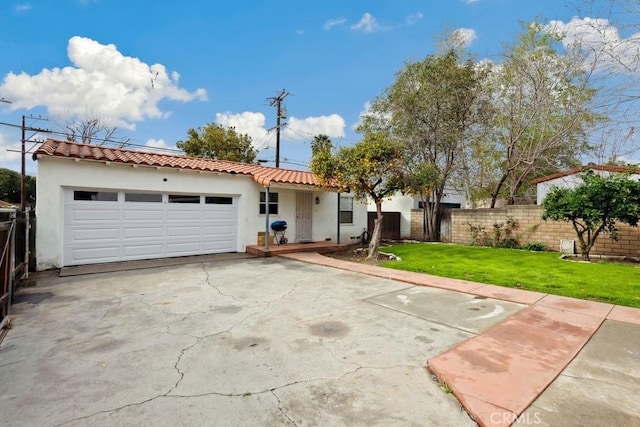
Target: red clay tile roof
[[263, 175], [605, 168], [4, 204]]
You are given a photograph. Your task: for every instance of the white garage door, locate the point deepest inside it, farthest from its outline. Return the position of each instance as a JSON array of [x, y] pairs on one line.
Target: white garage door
[[107, 226]]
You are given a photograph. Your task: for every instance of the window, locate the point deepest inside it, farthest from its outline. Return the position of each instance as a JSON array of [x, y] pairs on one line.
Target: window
[[143, 197], [101, 196], [182, 198], [346, 210], [273, 203], [216, 200]]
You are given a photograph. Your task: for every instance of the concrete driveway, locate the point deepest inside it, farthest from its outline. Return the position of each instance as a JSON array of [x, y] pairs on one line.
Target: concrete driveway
[[237, 342]]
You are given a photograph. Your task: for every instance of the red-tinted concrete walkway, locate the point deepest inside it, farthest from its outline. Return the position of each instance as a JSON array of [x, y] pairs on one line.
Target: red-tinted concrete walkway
[[497, 374]]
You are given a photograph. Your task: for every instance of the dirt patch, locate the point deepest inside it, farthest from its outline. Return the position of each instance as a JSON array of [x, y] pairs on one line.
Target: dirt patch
[[603, 258], [359, 254]]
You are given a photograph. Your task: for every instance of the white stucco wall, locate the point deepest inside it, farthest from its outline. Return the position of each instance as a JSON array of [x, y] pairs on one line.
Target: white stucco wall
[[569, 181], [56, 174]]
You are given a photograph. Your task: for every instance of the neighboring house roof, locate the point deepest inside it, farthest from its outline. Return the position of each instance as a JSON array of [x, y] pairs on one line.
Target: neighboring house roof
[[4, 204], [263, 175], [604, 168]]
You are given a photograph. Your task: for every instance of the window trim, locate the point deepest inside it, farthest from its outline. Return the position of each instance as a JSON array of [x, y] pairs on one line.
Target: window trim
[[273, 203], [97, 193], [188, 199], [346, 210], [136, 194], [218, 200]]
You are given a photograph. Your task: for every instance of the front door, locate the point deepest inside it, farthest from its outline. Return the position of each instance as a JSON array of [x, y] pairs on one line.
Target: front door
[[304, 204]]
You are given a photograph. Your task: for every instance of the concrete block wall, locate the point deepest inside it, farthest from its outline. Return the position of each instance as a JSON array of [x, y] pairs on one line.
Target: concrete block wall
[[532, 228], [417, 224]]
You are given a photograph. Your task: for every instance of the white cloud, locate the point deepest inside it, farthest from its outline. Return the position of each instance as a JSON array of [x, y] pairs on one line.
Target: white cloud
[[122, 90], [464, 36], [7, 156], [412, 19], [23, 7], [247, 122], [367, 24], [601, 40], [471, 1], [300, 32], [159, 146], [366, 111], [332, 125], [333, 22], [253, 124]]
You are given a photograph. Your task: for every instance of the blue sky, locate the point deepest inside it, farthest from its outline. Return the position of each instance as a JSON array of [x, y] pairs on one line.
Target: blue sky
[[156, 69]]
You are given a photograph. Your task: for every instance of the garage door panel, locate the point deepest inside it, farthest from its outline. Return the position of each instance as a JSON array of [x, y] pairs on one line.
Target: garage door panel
[[143, 232], [151, 214], [101, 254], [221, 231], [183, 232], [183, 214], [183, 248], [147, 251], [218, 213], [99, 231], [220, 246], [92, 215], [93, 235]]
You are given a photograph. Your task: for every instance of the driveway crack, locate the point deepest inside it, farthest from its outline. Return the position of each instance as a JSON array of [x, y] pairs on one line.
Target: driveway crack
[[281, 409], [107, 411], [208, 282]]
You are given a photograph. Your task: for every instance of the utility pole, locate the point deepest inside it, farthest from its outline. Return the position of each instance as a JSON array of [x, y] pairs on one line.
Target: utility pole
[[23, 152], [281, 113], [23, 190]]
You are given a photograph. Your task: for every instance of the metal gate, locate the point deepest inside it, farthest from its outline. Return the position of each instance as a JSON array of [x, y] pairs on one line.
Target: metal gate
[[7, 262], [390, 225]]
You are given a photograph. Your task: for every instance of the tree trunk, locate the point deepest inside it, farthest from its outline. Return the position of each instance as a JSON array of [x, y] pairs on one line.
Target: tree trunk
[[374, 243], [496, 191]]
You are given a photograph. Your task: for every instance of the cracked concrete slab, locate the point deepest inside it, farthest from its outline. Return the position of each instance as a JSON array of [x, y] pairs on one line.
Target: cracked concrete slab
[[237, 342]]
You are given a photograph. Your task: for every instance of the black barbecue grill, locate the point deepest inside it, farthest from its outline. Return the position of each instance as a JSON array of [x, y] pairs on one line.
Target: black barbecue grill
[[279, 228]]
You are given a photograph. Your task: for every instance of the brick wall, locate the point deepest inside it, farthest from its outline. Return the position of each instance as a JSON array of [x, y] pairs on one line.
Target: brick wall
[[532, 228]]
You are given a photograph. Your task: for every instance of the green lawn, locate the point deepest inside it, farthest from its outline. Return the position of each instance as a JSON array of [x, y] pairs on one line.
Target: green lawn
[[536, 271]]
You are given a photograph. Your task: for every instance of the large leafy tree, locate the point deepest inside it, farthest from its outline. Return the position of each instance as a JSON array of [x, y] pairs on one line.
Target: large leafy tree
[[541, 103], [431, 109], [10, 187], [217, 142], [369, 169], [594, 206]]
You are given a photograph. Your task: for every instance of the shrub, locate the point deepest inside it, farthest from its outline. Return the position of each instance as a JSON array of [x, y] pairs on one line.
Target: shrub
[[535, 247], [502, 235]]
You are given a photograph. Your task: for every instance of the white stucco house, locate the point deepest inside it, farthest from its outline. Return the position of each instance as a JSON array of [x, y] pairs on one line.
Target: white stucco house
[[98, 204], [571, 178], [452, 198]]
